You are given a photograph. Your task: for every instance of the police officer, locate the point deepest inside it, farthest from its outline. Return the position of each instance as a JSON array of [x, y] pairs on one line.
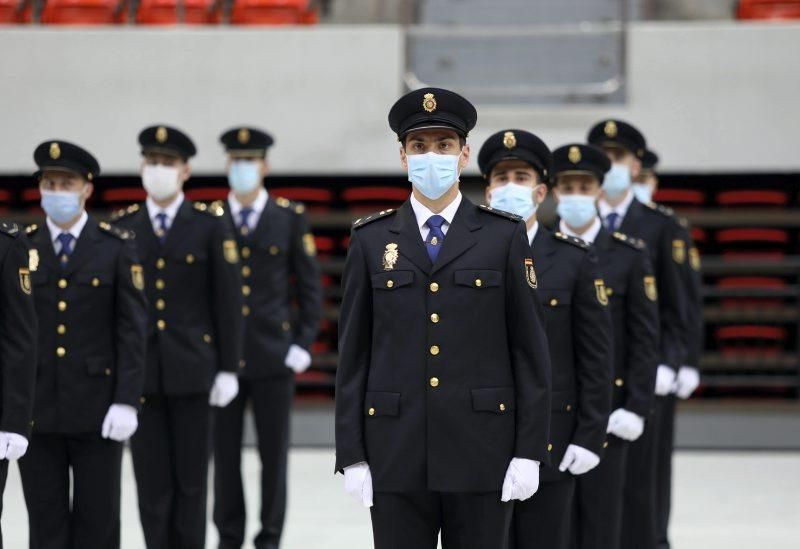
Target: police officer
[[17, 347], [619, 210], [632, 296], [278, 267], [443, 385], [688, 377], [517, 164], [192, 269], [88, 290]]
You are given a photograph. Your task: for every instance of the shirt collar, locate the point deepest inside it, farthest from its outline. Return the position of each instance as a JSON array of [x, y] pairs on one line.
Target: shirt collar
[[172, 210], [75, 230], [257, 206], [423, 213], [620, 209], [532, 232], [588, 236]]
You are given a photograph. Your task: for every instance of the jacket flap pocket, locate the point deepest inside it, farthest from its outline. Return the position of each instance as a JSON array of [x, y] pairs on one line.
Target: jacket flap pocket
[[555, 298], [562, 401], [477, 278], [98, 366], [96, 279], [494, 399], [378, 403], [391, 280]]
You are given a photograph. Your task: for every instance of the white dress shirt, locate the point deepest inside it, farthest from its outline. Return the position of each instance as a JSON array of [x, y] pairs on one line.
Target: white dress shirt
[[154, 209], [532, 232], [257, 206], [620, 209], [75, 231], [588, 236], [422, 214]]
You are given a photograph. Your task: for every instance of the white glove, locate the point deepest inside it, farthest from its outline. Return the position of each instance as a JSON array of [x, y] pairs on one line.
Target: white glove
[[12, 446], [578, 460], [522, 480], [626, 425], [120, 423], [665, 380], [225, 389], [358, 483], [298, 359], [688, 380]]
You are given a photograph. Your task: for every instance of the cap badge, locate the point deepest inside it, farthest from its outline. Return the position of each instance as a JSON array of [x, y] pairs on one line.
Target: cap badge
[[161, 134], [509, 140], [574, 155], [610, 129], [390, 256], [429, 102], [244, 136], [55, 151]]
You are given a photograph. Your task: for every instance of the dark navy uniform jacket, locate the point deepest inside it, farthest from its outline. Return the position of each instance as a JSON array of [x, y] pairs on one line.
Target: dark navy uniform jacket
[[579, 332], [444, 372]]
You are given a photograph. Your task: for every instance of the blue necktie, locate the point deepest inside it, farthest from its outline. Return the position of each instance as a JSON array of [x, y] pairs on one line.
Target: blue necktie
[[161, 230], [435, 237], [611, 221], [244, 221], [65, 239]]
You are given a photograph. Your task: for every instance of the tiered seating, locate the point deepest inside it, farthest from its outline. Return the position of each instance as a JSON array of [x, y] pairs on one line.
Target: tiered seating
[[120, 197], [750, 340], [273, 12], [768, 9], [680, 198], [81, 12], [753, 243], [15, 11], [751, 291], [361, 199], [314, 198], [173, 12], [749, 198], [207, 194]]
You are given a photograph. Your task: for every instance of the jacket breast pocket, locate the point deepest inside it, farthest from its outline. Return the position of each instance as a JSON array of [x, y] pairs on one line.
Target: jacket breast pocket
[[392, 280], [497, 400], [478, 278], [378, 403]]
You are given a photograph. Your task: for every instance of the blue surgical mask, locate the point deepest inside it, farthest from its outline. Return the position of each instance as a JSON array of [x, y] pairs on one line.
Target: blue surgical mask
[[514, 198], [617, 181], [244, 176], [643, 192], [61, 206], [577, 210], [433, 174]]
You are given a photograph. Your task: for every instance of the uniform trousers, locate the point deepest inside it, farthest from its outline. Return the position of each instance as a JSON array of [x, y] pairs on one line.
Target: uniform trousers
[[545, 520]]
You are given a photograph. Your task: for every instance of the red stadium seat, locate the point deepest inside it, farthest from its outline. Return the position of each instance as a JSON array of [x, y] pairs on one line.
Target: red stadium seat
[[15, 11], [680, 197], [748, 243], [122, 196], [768, 9], [750, 339], [81, 12], [326, 245], [313, 198], [699, 235], [770, 236], [750, 283], [174, 12], [750, 198], [273, 12], [208, 194], [374, 198]]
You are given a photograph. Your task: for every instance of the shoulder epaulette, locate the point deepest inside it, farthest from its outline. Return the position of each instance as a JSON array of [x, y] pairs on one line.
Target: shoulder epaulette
[[125, 212], [31, 229], [215, 209], [683, 222], [663, 210], [122, 234], [11, 229], [501, 213], [574, 240], [629, 240], [296, 207], [361, 221]]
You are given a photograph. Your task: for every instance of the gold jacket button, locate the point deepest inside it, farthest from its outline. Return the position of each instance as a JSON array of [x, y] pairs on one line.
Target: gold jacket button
[[286, 326], [619, 382], [273, 250], [189, 259], [434, 287], [371, 411], [553, 302], [161, 304], [108, 371], [569, 407], [242, 363], [549, 447], [95, 282], [502, 407], [62, 283], [245, 252], [390, 283], [160, 284], [61, 329], [246, 311], [207, 338], [62, 306], [245, 290], [142, 400], [61, 352], [160, 263], [478, 282], [161, 324], [434, 382], [246, 271], [605, 444], [434, 350], [609, 291], [435, 318]]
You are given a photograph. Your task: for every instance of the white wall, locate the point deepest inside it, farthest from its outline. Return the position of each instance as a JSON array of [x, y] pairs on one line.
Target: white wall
[[709, 96]]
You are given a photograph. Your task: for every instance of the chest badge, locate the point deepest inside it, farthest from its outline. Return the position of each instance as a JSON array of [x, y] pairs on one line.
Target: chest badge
[[678, 251], [137, 277], [230, 252], [650, 288], [390, 256], [694, 259], [25, 280], [530, 274], [600, 290], [33, 260]]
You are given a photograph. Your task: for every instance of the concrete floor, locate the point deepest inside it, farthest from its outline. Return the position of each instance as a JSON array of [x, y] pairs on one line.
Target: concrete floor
[[723, 500]]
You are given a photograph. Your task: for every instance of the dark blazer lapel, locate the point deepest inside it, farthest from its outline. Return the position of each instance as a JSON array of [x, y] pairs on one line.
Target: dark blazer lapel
[[43, 241], [84, 246], [179, 226], [265, 221], [631, 216], [409, 242], [459, 237], [542, 249]]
